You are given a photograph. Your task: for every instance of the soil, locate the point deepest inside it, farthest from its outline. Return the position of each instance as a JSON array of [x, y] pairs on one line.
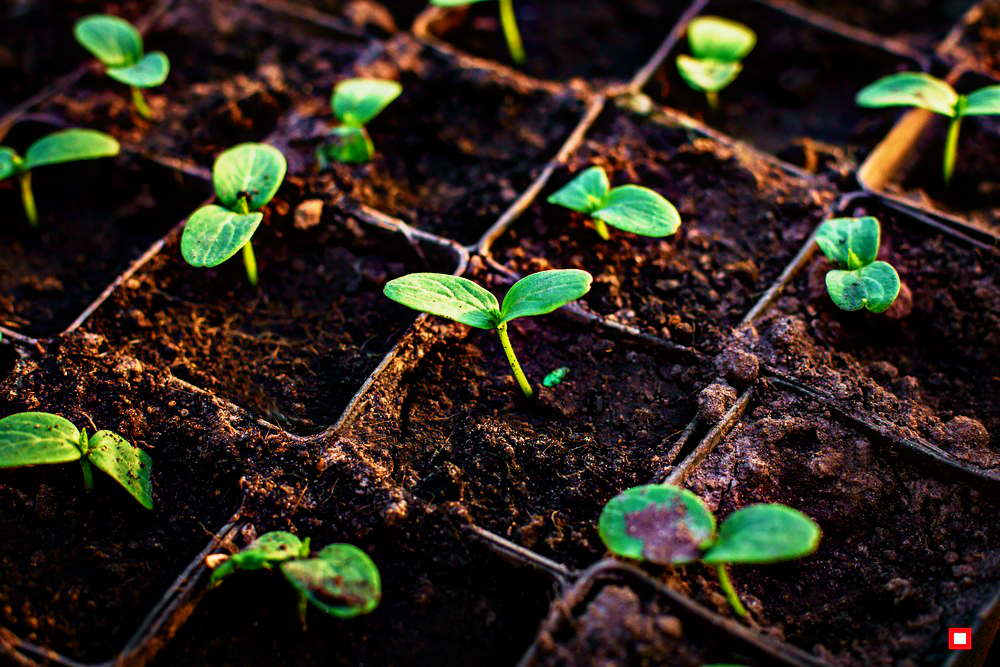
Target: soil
[[742, 221], [979, 45]]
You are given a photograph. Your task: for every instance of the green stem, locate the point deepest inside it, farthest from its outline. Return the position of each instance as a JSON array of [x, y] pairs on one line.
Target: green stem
[[713, 99], [509, 22], [88, 476], [951, 148], [303, 608], [730, 592], [28, 198], [140, 104], [250, 261], [602, 229], [516, 367]]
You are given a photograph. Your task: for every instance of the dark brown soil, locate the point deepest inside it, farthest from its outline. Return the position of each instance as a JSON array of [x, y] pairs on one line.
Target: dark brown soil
[[979, 45], [742, 220]]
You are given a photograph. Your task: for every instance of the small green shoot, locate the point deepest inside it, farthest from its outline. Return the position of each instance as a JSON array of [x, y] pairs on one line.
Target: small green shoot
[[464, 301], [630, 208], [118, 45], [246, 177], [858, 281], [556, 377], [717, 47], [38, 438], [916, 89], [355, 103], [340, 580], [56, 148], [507, 20], [668, 525]]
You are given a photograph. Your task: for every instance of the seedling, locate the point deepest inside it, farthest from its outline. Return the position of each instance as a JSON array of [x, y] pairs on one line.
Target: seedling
[[118, 45], [717, 47], [858, 281], [37, 438], [355, 103], [340, 580], [507, 20], [464, 301], [246, 177], [630, 208], [56, 148], [668, 525], [916, 89]]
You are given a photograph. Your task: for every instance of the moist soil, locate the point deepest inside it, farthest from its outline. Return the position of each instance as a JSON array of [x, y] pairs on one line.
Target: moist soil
[[742, 221], [979, 45]]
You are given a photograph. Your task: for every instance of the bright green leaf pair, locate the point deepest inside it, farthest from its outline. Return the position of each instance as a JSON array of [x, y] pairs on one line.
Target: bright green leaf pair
[[916, 89], [56, 148], [858, 281], [630, 208], [246, 177], [341, 580], [38, 438], [464, 301], [717, 47], [668, 525], [355, 103], [508, 21]]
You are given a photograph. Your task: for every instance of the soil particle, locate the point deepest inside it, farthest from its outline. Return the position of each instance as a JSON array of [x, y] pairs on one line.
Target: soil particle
[[738, 366], [714, 401]]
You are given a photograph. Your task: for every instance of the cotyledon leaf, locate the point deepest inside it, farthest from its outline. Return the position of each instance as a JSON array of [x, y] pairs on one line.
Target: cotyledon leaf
[[149, 72], [764, 533], [874, 287], [213, 234], [448, 296], [125, 463], [254, 171], [341, 580], [31, 438]]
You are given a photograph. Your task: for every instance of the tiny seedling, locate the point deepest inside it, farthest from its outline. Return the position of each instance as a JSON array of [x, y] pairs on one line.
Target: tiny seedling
[[916, 89], [37, 438], [58, 147], [507, 20], [717, 47], [340, 580], [246, 177], [118, 45], [668, 525], [630, 208], [858, 281], [355, 103], [464, 301]]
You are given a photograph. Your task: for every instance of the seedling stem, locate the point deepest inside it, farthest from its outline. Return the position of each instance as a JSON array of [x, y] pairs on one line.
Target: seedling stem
[[951, 148], [727, 587], [28, 197], [250, 261], [522, 381], [140, 104], [602, 229], [513, 35], [713, 99]]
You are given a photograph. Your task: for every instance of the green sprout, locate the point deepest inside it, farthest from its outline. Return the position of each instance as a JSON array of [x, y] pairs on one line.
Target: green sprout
[[56, 148], [340, 580], [507, 20], [38, 438], [630, 208], [858, 281], [464, 301], [916, 89], [668, 525], [246, 177], [118, 45], [717, 47], [355, 103]]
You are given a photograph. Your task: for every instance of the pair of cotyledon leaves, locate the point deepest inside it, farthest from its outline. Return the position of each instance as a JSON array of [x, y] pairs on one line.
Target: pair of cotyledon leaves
[[340, 579], [717, 47], [56, 148], [859, 281], [118, 45], [355, 102], [36, 438], [924, 91]]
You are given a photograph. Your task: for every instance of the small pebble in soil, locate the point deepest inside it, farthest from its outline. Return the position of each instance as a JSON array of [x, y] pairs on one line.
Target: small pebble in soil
[[738, 366], [714, 401], [308, 214]]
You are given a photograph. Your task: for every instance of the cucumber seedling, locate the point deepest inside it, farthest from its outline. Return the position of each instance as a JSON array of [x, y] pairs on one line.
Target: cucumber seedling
[[916, 89], [508, 21], [717, 47], [858, 280], [464, 301], [340, 580], [355, 103], [668, 525], [630, 208], [118, 45], [56, 148], [37, 438], [245, 177]]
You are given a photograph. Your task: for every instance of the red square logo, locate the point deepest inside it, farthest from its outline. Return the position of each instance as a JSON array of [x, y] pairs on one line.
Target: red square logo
[[960, 639]]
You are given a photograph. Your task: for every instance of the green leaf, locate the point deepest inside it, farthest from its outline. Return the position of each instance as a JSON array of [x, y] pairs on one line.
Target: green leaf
[[110, 39], [125, 463], [268, 549], [765, 533], [356, 101], [149, 72], [248, 170], [70, 146], [874, 287], [715, 38], [660, 523], [707, 75], [909, 89], [585, 193], [7, 165], [452, 297], [543, 292], [983, 102], [341, 580], [348, 145], [639, 210], [454, 3], [849, 243], [31, 438], [214, 234]]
